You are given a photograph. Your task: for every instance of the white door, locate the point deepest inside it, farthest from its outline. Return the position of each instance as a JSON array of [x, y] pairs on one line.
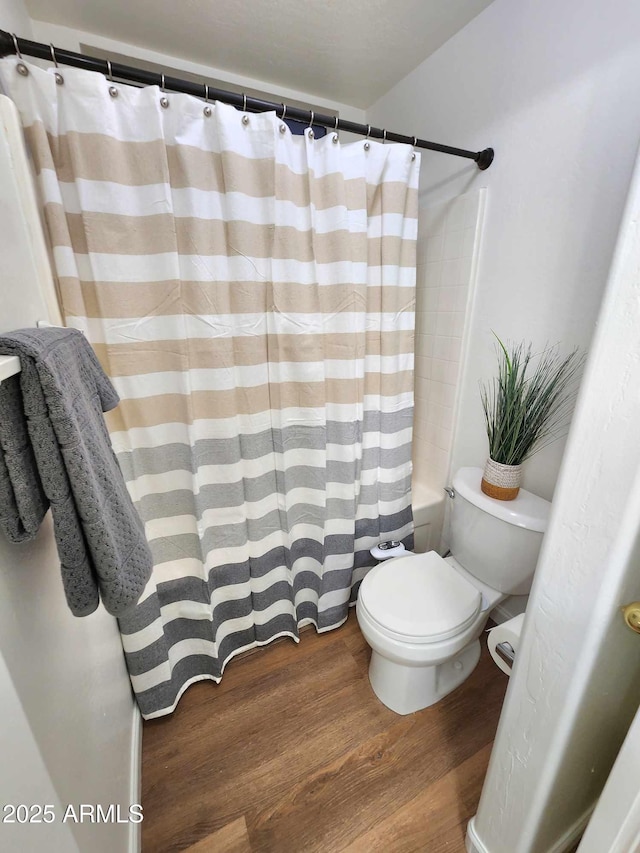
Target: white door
[[615, 824]]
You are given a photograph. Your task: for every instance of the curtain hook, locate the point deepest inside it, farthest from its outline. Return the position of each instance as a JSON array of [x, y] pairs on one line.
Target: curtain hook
[[311, 119], [15, 44], [283, 126], [415, 142], [245, 118], [56, 74], [310, 128], [20, 67], [335, 127], [112, 89], [207, 108], [384, 136], [164, 101], [367, 144]]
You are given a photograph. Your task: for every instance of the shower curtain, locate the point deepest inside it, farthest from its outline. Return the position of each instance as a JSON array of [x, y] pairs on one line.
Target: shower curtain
[[251, 295]]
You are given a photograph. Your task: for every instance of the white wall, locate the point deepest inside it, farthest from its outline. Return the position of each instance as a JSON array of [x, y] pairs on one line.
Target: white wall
[[14, 18], [69, 723], [555, 89]]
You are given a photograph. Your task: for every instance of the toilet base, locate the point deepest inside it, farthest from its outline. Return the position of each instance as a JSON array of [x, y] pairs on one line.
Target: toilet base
[[405, 689]]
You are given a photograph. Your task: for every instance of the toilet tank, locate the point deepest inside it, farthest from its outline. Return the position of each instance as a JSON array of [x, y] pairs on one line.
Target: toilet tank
[[497, 542]]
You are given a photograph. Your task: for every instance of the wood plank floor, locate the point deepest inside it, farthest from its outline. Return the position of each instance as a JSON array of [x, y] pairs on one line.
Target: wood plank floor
[[292, 753]]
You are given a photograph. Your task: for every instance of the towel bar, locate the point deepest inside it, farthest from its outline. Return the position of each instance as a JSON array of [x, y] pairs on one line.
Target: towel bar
[[9, 366]]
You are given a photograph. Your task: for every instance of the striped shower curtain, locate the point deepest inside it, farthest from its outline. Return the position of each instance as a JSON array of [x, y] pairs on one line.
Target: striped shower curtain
[[251, 295]]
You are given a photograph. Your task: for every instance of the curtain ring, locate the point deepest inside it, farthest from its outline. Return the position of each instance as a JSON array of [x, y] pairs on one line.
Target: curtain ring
[[15, 44], [164, 101], [21, 68], [384, 136], [244, 103], [112, 89], [312, 118], [56, 74], [207, 108], [284, 111], [368, 131]]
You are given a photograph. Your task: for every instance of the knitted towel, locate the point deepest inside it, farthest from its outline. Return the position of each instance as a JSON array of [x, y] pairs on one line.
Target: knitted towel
[[100, 537]]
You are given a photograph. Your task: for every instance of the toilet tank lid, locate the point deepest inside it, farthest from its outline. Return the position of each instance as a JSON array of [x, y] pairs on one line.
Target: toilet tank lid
[[527, 510]]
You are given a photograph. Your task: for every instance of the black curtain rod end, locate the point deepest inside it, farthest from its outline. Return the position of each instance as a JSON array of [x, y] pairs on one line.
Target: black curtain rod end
[[485, 159]]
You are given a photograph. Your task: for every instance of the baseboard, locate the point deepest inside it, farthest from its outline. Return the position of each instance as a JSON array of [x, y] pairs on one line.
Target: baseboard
[[473, 844], [569, 838], [135, 779], [507, 609]]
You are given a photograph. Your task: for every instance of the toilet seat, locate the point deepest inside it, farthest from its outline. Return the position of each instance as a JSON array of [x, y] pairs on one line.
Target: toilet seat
[[419, 598]]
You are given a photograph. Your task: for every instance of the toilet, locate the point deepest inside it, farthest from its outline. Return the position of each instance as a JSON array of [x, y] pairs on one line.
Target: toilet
[[423, 614]]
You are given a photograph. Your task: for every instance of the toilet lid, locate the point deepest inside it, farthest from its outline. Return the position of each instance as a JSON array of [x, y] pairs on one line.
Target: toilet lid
[[420, 597]]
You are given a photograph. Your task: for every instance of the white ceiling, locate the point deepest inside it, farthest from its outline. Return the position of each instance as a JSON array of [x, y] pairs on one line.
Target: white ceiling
[[352, 51]]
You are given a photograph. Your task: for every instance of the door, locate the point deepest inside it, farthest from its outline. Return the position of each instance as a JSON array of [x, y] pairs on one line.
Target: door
[[615, 824]]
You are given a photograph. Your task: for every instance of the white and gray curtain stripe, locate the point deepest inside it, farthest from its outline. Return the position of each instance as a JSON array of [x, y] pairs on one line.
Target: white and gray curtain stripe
[[251, 295]]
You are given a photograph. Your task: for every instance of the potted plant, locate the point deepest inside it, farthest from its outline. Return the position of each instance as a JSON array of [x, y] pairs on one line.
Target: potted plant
[[526, 407]]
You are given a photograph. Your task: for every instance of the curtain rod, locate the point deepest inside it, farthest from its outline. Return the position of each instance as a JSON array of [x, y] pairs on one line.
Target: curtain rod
[[12, 44]]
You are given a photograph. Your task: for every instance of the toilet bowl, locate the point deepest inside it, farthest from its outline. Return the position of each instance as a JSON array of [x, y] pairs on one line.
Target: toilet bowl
[[422, 614], [422, 619]]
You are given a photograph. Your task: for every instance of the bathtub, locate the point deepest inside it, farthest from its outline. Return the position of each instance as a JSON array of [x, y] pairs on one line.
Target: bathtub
[[428, 516]]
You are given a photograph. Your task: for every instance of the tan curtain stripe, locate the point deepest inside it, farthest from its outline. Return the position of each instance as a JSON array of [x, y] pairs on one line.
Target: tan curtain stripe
[[134, 358], [186, 408], [94, 157], [164, 298], [104, 233]]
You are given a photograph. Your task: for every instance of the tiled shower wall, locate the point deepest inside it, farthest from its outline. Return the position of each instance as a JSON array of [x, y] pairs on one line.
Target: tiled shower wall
[[448, 243]]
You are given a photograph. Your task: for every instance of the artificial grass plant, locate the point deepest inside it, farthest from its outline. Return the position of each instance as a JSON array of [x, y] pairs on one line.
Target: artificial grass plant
[[529, 403]]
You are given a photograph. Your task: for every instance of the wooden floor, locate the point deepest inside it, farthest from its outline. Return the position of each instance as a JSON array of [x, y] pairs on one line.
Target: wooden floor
[[292, 752]]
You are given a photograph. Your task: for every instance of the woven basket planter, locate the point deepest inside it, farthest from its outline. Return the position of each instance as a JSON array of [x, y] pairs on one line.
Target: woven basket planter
[[501, 481]]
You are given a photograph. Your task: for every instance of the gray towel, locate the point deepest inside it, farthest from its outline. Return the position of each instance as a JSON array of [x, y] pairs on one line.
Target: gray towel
[[23, 503], [100, 537]]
